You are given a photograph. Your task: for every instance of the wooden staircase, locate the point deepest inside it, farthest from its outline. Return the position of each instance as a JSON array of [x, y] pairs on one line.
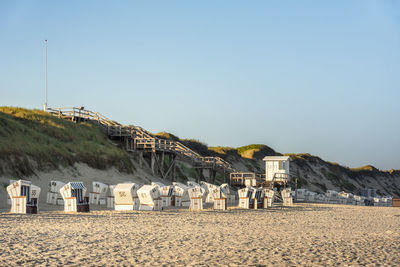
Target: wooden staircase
[[138, 139]]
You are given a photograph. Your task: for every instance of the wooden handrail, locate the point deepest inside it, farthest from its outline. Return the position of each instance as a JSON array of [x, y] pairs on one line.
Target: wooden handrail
[[140, 136]]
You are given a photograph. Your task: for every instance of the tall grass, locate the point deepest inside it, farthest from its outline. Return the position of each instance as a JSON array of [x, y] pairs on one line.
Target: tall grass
[[33, 139]]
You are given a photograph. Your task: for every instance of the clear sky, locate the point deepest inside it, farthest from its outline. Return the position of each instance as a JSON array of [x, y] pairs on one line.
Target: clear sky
[[299, 76]]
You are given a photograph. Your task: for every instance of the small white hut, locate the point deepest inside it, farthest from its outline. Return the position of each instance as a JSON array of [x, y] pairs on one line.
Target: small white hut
[[166, 193], [53, 195], [98, 194], [277, 168], [126, 197], [149, 197], [110, 196], [181, 195], [196, 195], [73, 194], [20, 193]]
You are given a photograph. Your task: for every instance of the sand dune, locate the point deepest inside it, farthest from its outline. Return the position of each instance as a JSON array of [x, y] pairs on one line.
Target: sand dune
[[302, 235]]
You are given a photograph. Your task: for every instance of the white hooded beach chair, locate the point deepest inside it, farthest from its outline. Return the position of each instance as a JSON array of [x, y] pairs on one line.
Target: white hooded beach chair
[[192, 184], [181, 195], [220, 197], [126, 197], [35, 194], [149, 198], [231, 196], [196, 195], [321, 198], [345, 198], [300, 194], [376, 200], [73, 194], [287, 199], [210, 188], [166, 193], [20, 193], [110, 196], [358, 200], [98, 194], [332, 196], [257, 198], [8, 196], [386, 201], [53, 195], [310, 196], [245, 195], [269, 195]]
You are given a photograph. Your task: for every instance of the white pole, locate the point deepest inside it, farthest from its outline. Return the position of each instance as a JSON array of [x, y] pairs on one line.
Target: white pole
[[45, 75]]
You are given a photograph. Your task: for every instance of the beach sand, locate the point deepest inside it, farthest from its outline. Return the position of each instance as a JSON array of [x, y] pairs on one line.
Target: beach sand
[[306, 234]]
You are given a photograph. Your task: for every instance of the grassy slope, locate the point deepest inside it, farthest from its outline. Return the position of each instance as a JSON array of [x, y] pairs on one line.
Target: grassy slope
[[33, 139]]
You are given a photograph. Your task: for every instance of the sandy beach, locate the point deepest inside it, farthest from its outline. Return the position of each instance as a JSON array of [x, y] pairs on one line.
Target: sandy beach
[[302, 235]]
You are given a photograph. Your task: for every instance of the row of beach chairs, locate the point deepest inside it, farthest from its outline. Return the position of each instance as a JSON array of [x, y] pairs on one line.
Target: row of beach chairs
[[257, 198], [334, 197], [24, 196]]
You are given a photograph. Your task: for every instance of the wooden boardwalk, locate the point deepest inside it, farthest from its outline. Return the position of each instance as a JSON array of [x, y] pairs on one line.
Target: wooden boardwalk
[[138, 139]]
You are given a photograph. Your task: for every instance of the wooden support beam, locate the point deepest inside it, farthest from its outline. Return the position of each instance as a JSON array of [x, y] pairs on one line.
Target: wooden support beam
[[126, 143], [162, 161], [171, 167], [159, 165], [141, 158], [174, 172], [152, 162], [200, 176], [213, 174]]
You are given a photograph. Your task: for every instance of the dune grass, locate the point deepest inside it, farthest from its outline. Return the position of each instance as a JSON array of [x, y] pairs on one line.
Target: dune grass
[[223, 150], [33, 139], [243, 149], [369, 168]]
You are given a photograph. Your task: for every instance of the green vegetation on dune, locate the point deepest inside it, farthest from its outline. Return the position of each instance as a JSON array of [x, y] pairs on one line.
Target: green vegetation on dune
[[33, 137], [364, 168], [256, 151], [222, 150], [243, 149], [169, 136], [301, 156]]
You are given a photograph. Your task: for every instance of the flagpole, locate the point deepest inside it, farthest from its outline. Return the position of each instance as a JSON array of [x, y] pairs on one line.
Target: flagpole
[[45, 76]]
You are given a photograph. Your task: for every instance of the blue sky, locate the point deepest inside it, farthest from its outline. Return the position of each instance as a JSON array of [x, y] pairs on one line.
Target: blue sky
[[299, 76]]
